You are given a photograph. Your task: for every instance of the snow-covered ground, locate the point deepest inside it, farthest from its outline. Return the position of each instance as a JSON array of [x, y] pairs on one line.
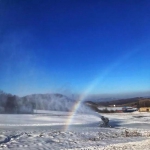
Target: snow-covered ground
[[58, 130], [110, 108]]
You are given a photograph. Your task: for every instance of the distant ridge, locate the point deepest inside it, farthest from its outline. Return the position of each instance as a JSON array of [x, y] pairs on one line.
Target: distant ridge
[[134, 102]]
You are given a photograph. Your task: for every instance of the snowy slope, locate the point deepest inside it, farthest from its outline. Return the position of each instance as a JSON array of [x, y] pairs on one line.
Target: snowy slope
[[47, 130]]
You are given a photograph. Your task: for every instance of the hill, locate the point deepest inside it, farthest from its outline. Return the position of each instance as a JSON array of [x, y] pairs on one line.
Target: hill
[[27, 104], [133, 102], [14, 104], [49, 101]]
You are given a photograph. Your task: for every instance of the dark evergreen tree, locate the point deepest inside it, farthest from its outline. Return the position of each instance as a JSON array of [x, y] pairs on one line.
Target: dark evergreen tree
[[11, 105]]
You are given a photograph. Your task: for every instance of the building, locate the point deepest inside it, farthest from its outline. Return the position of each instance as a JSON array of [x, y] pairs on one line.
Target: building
[[144, 105], [129, 109], [144, 109]]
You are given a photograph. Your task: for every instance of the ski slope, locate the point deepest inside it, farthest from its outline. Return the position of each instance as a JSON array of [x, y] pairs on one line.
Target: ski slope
[[46, 130]]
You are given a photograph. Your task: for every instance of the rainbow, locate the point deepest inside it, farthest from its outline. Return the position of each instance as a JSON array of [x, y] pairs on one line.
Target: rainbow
[[93, 85], [82, 98]]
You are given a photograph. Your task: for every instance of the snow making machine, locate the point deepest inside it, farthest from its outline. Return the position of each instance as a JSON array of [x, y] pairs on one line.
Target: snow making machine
[[105, 122]]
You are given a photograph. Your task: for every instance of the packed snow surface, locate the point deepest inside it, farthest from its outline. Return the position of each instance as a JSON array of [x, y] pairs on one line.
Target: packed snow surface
[[46, 130]]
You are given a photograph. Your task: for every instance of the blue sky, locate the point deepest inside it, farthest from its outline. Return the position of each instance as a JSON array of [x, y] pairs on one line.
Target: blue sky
[[74, 45]]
